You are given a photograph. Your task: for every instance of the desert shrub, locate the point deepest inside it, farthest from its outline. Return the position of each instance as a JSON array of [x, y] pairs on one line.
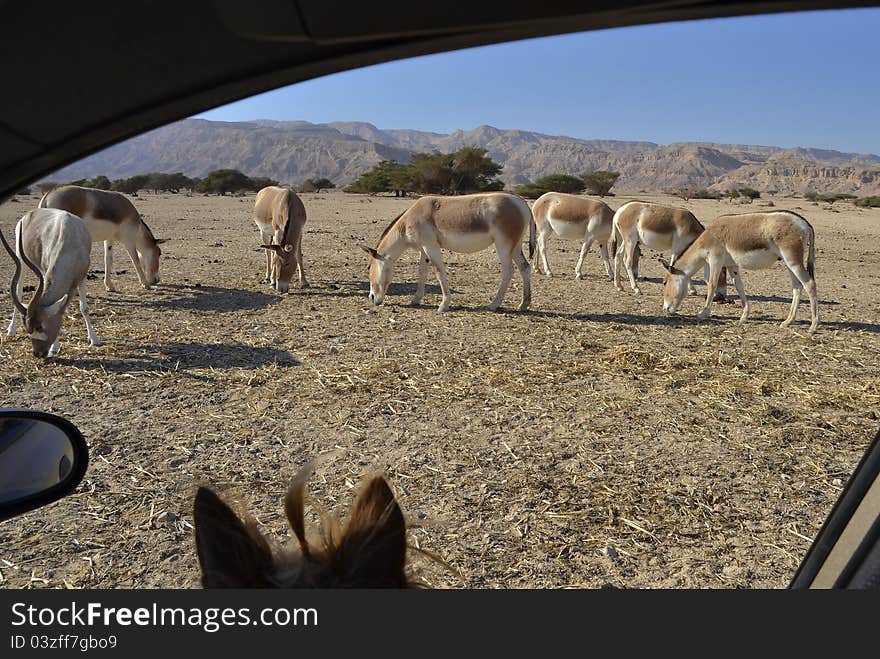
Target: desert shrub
[[221, 181], [551, 183], [316, 185], [691, 193], [868, 202], [600, 182], [827, 198]]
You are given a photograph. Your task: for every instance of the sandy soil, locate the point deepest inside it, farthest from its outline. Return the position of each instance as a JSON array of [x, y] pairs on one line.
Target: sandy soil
[[589, 442]]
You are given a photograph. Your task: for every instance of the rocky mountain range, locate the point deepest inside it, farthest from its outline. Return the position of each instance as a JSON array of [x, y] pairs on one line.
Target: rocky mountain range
[[291, 151]]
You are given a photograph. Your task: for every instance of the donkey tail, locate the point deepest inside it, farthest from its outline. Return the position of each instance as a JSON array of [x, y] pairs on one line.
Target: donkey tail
[[811, 256]]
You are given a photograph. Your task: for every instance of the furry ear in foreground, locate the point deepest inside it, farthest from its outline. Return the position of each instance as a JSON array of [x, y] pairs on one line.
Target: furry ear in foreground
[[369, 552]]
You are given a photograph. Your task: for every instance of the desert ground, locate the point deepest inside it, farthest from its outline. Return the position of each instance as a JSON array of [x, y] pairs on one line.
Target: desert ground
[[589, 442]]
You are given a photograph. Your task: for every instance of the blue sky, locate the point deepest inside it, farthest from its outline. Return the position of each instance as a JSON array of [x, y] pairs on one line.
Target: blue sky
[[806, 79]]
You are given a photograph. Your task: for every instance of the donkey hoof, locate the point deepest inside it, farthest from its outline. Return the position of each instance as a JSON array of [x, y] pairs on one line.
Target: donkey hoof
[[97, 343]]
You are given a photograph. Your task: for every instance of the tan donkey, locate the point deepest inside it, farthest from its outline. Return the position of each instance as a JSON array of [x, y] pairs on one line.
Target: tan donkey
[[751, 241], [465, 224], [111, 217], [573, 217], [664, 228], [281, 217]]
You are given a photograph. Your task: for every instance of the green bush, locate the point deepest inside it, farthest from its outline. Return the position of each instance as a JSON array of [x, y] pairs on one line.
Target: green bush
[[691, 193], [551, 183], [221, 181], [467, 170], [868, 202], [316, 185], [600, 182]]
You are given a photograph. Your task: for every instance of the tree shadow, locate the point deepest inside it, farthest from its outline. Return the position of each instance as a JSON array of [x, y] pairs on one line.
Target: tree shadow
[[199, 297], [183, 357]]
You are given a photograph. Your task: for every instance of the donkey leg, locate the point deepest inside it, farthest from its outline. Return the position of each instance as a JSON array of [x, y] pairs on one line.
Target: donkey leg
[[303, 283], [606, 261], [84, 310], [433, 253], [806, 281], [712, 286], [737, 280], [796, 288], [629, 259], [108, 267], [506, 276], [525, 272], [542, 249], [618, 259], [424, 261], [584, 249], [136, 262]]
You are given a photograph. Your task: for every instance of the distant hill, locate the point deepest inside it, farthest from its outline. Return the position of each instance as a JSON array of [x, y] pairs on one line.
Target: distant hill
[[291, 151]]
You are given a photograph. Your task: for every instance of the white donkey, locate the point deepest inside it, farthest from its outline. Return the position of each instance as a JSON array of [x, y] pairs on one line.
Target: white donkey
[[56, 246]]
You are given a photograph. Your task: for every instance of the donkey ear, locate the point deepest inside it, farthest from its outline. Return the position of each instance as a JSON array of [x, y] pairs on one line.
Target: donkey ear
[[232, 554], [372, 552], [372, 252], [274, 248], [56, 306]]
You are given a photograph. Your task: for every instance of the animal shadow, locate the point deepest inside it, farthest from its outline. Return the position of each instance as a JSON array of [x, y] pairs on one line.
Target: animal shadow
[[198, 297], [183, 357]]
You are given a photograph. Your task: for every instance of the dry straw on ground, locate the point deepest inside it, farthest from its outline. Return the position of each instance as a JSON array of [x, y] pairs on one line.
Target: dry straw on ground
[[591, 441]]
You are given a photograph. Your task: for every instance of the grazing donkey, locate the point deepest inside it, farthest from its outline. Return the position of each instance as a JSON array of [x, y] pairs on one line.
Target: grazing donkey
[[370, 552], [61, 245], [750, 241], [111, 217], [281, 217], [659, 227], [574, 218], [464, 224]]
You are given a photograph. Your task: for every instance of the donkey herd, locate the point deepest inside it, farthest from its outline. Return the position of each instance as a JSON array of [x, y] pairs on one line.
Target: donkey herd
[[54, 242]]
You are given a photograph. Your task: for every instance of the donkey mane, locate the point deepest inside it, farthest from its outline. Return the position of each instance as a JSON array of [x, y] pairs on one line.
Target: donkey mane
[[391, 225]]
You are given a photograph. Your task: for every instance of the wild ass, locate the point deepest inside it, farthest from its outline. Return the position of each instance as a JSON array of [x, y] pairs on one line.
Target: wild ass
[[750, 241], [369, 552], [464, 224], [281, 217], [60, 245], [111, 217], [573, 218], [659, 227]]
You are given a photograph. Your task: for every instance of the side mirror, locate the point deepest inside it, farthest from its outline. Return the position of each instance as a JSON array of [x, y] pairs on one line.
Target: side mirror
[[43, 457]]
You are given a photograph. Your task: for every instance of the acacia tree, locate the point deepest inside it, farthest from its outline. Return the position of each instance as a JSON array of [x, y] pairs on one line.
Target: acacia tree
[[551, 183], [600, 181]]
